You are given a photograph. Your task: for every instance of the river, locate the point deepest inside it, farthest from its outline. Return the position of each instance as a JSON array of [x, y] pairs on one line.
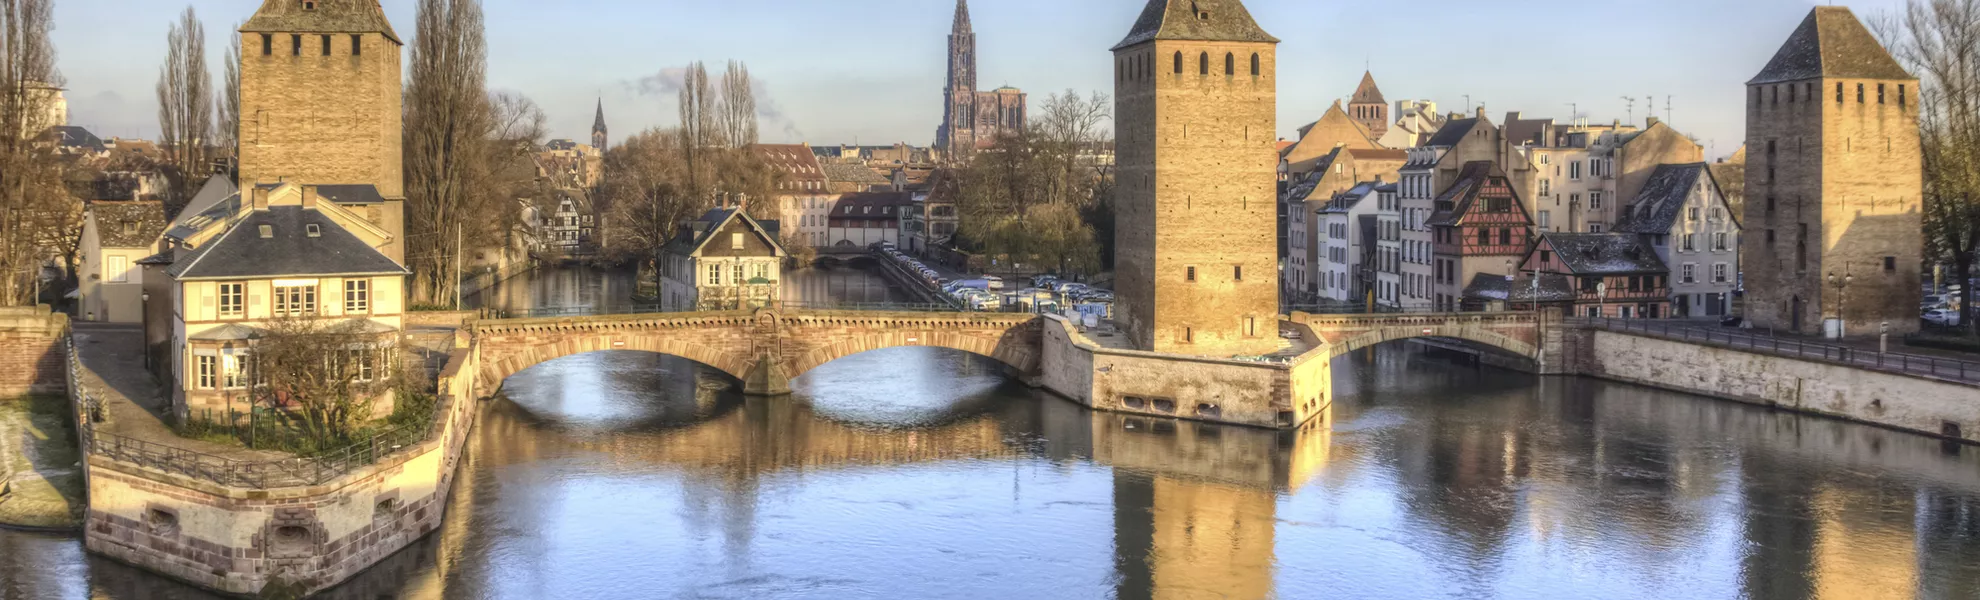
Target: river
[[927, 473]]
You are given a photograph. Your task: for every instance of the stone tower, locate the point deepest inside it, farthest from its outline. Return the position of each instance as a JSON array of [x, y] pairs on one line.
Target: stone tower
[[598, 139], [1369, 108], [1195, 120], [320, 96], [1834, 178], [956, 137]]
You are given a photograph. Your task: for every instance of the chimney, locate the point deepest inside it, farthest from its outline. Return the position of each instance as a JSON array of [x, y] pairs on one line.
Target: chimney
[[1481, 111], [259, 197], [309, 197], [1653, 122]]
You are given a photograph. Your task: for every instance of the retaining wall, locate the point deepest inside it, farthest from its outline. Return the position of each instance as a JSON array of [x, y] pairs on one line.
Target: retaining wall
[[1173, 385], [31, 351]]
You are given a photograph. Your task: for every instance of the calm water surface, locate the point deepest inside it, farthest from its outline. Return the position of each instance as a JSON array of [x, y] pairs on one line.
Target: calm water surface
[[924, 473]]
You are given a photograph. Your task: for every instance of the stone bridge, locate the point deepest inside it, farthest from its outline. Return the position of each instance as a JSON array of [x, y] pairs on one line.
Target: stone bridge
[[1518, 333], [765, 349]]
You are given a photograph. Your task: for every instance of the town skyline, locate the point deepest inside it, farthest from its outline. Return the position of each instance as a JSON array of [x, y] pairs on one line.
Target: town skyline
[[887, 93]]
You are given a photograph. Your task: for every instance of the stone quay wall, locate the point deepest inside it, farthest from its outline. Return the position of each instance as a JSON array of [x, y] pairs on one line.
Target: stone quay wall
[[1908, 402], [32, 351], [1259, 394], [239, 540]]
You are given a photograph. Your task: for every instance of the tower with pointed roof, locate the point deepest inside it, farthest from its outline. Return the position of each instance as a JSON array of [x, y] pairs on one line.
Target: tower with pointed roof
[[1369, 108], [598, 139], [1834, 179], [1195, 123], [320, 96]]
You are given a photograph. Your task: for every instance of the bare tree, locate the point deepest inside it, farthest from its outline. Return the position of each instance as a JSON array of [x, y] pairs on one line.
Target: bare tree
[[1939, 40], [699, 131], [228, 131], [738, 107], [447, 122], [321, 379], [645, 196], [29, 176], [185, 109]]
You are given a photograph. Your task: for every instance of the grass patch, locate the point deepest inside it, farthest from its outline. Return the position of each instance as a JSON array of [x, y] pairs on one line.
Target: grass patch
[[265, 431], [430, 307], [38, 443]]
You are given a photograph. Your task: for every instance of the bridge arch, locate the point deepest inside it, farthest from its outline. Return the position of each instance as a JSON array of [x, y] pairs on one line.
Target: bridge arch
[[1009, 348], [1508, 332], [509, 347]]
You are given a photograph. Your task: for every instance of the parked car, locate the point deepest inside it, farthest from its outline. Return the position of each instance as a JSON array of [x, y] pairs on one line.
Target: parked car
[[1942, 317]]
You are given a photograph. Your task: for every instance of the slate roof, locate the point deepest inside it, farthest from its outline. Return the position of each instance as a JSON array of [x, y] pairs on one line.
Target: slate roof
[[77, 138], [1554, 287], [128, 224], [1462, 192], [1367, 93], [350, 194], [1217, 21], [116, 186], [1452, 132], [1347, 200], [1611, 253], [329, 16], [796, 161], [871, 205], [216, 189], [1524, 131], [695, 234], [289, 251], [1657, 207], [1831, 42], [190, 223]]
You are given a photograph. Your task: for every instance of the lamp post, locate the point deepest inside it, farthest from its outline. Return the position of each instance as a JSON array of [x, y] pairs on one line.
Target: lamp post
[[1602, 299], [1842, 299]]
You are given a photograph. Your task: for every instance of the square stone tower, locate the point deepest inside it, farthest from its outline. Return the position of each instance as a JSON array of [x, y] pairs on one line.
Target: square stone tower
[[1834, 180], [1195, 123], [320, 96]]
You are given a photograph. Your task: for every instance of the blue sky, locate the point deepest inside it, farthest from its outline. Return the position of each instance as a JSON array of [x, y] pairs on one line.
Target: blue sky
[[836, 71]]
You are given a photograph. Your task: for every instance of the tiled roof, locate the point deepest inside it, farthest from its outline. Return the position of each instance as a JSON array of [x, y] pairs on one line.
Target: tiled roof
[[1657, 207], [287, 251], [849, 173], [871, 205], [1462, 192], [326, 16], [128, 224], [1612, 253], [1195, 20], [1831, 43], [695, 234], [795, 161], [1367, 93]]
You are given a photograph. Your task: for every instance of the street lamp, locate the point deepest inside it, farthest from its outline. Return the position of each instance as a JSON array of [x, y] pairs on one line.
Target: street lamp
[[1602, 299], [1842, 303]]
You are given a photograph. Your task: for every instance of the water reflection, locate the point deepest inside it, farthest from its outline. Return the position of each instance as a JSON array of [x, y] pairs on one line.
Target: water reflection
[[840, 283], [568, 287], [630, 475]]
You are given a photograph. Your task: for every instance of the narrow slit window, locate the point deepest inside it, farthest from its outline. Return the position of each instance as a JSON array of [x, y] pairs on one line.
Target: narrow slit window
[[326, 45], [1203, 63], [1179, 67], [267, 44], [1254, 73]]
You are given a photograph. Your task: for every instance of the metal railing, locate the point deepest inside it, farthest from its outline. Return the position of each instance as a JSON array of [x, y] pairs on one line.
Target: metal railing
[[641, 309], [1913, 364]]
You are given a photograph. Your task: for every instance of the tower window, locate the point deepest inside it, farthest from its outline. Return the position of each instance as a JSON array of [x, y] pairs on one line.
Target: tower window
[[309, 4], [1189, 273], [326, 45], [1230, 64], [1237, 272], [357, 45], [1254, 73], [1791, 92], [1880, 93], [295, 44], [1859, 93], [267, 44], [1203, 63], [1777, 95], [1900, 95], [1179, 63], [1839, 92], [1890, 264]]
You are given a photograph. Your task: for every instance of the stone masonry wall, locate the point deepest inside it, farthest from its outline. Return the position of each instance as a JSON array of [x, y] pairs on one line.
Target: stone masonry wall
[[31, 351], [1908, 402], [1168, 385], [238, 540], [322, 119]]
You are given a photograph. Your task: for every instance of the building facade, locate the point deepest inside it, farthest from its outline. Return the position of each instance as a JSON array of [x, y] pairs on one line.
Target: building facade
[[1833, 184], [1682, 213], [803, 195], [859, 220], [1196, 249], [973, 119], [116, 235], [723, 260], [1479, 226]]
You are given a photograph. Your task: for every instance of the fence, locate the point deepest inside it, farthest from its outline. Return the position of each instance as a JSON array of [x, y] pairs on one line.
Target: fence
[[1913, 364], [638, 309]]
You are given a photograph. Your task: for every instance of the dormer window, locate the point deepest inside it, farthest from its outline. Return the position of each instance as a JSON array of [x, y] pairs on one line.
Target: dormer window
[[267, 231], [313, 230]]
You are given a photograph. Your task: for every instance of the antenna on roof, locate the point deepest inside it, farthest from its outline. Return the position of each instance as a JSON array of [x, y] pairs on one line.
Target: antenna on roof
[[1667, 107], [1632, 107]]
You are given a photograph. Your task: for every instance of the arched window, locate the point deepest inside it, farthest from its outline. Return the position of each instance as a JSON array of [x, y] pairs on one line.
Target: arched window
[[1254, 65], [1230, 64], [1203, 64], [1179, 70]]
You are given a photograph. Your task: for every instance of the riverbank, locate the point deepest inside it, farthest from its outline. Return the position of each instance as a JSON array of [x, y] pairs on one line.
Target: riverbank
[[41, 486]]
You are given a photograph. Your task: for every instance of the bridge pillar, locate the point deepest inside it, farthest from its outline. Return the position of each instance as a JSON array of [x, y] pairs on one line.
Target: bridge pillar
[[766, 378]]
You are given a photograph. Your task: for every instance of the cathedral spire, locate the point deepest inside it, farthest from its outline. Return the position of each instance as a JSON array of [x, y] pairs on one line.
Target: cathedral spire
[[598, 139], [962, 17]]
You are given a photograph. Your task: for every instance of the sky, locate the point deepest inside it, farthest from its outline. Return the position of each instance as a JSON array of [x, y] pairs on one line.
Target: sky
[[872, 71]]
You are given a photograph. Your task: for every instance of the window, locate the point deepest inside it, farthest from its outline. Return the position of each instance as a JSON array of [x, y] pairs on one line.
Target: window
[[1230, 64], [1189, 273], [1505, 237], [357, 296], [1721, 241], [739, 275], [1189, 335], [1595, 200], [1880, 93], [357, 45], [363, 364], [1179, 71], [116, 269], [1484, 237], [1254, 73], [1839, 92], [1690, 242], [267, 44], [1859, 93], [1900, 95], [1595, 227], [735, 241], [1890, 264], [1770, 237], [208, 372], [295, 301], [1721, 273], [1689, 274], [309, 4], [1546, 220], [231, 372], [326, 44], [295, 44], [231, 304], [1203, 63]]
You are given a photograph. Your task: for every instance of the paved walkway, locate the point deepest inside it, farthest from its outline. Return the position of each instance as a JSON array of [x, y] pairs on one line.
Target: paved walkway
[[1952, 366], [135, 405]]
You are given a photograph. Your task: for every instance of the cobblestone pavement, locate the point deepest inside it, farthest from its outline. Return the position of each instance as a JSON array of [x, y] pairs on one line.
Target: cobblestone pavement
[[135, 405]]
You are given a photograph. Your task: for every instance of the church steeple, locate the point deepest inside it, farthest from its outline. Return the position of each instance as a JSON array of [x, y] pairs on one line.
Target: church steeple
[[598, 138], [1369, 108], [957, 134], [962, 18]]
